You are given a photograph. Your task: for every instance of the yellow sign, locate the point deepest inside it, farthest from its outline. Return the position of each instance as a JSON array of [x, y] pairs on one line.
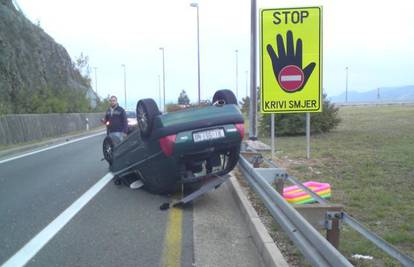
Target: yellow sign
[[291, 60]]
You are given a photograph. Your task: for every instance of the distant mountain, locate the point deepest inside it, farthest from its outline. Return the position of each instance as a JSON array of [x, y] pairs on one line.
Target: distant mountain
[[383, 94]]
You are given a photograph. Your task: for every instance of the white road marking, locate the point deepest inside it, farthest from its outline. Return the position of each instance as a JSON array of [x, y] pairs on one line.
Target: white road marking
[[29, 250], [291, 78], [50, 147]]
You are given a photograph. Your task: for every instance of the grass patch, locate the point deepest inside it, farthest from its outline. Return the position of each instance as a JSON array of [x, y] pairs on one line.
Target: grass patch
[[369, 162]]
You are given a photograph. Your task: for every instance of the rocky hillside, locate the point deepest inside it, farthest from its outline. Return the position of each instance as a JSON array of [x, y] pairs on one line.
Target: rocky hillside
[[32, 64]]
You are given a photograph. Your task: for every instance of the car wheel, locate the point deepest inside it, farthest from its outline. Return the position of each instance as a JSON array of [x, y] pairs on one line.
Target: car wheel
[[225, 96], [147, 110], [232, 159], [108, 147]]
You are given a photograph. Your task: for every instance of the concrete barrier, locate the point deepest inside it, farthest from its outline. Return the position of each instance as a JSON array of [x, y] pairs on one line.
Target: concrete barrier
[[18, 128]]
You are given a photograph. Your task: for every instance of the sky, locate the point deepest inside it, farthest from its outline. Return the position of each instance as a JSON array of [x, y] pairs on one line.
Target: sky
[[374, 39]]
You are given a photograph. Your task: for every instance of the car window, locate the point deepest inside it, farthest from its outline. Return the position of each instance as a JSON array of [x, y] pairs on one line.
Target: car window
[[131, 114]]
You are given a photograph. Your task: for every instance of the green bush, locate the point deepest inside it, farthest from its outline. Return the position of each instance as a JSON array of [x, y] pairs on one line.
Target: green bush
[[245, 104], [295, 123]]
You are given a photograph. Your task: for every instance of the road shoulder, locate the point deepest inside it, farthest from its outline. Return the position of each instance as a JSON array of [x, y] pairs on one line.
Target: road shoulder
[[265, 245], [221, 235], [21, 148]]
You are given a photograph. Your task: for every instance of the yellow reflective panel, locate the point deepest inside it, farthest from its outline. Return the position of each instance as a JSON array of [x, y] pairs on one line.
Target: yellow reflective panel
[[291, 60]]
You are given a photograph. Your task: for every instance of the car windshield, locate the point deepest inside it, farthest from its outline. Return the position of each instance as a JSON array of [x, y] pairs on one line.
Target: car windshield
[[131, 114]]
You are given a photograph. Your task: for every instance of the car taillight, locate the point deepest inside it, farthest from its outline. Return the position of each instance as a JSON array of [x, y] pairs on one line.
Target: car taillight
[[240, 129], [167, 144]]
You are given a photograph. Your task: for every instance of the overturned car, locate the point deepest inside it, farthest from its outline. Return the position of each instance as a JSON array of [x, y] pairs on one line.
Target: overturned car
[[188, 147]]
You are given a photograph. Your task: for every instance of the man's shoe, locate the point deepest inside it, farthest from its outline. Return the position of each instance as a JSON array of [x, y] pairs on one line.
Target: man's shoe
[[136, 184]]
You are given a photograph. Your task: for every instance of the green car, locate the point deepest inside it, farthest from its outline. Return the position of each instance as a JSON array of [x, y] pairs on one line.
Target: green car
[[187, 147]]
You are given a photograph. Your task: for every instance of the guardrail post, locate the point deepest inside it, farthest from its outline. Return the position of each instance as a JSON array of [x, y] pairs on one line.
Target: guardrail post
[[279, 184], [332, 235], [323, 217]]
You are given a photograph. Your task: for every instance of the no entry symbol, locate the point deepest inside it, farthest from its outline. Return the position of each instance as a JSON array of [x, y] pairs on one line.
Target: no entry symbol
[[291, 78]]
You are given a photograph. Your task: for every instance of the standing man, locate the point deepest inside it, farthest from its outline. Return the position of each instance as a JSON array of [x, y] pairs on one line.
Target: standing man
[[116, 119]]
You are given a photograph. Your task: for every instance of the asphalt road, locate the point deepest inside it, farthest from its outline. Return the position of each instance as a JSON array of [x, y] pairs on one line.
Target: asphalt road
[[117, 227], [59, 207]]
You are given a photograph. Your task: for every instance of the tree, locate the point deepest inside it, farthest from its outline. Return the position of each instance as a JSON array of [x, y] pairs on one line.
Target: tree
[[82, 66], [102, 105], [294, 123], [183, 98], [245, 104]]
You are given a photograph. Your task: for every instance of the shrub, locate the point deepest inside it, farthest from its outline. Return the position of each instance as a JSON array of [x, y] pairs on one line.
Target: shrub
[[295, 123]]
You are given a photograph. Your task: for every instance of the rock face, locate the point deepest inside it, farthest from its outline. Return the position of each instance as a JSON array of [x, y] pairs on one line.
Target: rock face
[[30, 60]]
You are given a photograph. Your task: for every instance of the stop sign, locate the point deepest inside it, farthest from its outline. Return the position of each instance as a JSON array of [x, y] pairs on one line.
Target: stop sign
[[291, 78]]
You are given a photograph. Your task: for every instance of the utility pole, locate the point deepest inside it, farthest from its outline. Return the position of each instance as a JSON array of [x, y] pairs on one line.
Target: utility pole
[[159, 91], [96, 80], [346, 85], [247, 82], [163, 76], [237, 73], [198, 49], [253, 89], [125, 94]]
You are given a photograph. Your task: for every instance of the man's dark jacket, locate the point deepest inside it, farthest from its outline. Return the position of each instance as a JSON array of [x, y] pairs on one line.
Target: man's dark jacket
[[117, 120]]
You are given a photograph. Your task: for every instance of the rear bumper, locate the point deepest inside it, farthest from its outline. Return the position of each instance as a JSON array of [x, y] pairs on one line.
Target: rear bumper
[[160, 130]]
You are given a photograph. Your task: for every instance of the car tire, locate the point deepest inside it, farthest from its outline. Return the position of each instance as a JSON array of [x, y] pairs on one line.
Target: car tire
[[232, 159], [107, 149], [147, 110], [225, 96]]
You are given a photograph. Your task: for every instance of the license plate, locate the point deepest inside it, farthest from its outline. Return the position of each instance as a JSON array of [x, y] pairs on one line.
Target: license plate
[[208, 135]]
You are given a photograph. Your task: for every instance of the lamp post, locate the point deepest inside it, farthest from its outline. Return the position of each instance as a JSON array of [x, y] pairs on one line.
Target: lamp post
[[198, 48], [253, 88], [159, 90], [96, 80], [247, 82], [163, 76], [346, 85], [237, 73], [125, 94]]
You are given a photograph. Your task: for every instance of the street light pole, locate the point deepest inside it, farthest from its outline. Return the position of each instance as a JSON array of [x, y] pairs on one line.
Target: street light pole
[[159, 90], [237, 73], [346, 85], [247, 81], [163, 76], [125, 94], [253, 88], [96, 80], [198, 49]]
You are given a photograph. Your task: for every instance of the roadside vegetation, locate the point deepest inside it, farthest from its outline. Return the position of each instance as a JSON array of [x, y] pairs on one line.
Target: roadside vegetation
[[369, 161], [55, 97], [288, 124]]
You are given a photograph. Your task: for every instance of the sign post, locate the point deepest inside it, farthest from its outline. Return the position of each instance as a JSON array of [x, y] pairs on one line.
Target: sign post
[[291, 61], [272, 132]]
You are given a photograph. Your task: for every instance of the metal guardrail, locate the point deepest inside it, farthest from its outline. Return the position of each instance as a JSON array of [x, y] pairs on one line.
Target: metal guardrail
[[312, 245]]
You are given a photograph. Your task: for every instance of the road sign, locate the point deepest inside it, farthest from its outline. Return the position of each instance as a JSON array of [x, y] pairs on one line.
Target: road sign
[[291, 78], [291, 60]]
